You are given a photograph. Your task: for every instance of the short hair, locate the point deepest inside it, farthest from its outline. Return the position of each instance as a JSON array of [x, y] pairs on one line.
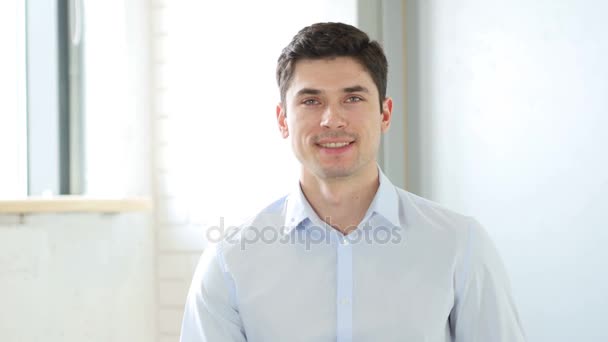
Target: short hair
[[330, 40]]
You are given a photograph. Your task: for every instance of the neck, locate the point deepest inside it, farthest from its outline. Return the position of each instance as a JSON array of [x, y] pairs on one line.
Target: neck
[[341, 202]]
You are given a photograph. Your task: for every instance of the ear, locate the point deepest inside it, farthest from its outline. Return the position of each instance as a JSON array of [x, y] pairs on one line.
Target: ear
[[282, 121], [387, 112]]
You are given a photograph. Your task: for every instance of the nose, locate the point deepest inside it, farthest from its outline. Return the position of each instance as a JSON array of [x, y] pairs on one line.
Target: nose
[[333, 118]]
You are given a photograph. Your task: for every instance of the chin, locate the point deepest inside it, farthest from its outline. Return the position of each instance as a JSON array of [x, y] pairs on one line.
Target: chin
[[336, 171]]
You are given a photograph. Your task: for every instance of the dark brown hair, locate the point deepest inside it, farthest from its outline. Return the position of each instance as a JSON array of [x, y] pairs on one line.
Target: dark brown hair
[[330, 40]]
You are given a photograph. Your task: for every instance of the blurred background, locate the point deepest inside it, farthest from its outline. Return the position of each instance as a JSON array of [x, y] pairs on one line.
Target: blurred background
[[129, 128]]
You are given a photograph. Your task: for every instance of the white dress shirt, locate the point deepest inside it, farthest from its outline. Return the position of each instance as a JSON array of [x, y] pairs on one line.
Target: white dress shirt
[[412, 271]]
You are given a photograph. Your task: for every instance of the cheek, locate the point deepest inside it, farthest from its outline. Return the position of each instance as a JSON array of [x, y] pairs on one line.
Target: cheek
[[302, 128], [373, 134], [368, 126], [298, 136]]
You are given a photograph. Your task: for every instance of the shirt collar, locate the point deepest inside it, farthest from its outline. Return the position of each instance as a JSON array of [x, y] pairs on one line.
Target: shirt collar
[[297, 209], [385, 203]]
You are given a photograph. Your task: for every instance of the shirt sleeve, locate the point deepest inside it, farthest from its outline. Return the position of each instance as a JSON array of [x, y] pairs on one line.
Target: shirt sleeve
[[210, 314], [484, 309]]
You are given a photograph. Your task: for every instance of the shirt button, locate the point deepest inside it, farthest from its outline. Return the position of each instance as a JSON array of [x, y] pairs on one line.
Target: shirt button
[[344, 301]]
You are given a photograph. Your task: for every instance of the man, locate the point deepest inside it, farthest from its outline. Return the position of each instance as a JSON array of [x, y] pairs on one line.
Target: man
[[347, 256]]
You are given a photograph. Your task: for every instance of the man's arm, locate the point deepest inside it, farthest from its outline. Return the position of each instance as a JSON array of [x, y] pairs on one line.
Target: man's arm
[[484, 309], [210, 314]]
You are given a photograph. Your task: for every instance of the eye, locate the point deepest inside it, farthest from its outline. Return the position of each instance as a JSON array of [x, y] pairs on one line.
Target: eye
[[353, 99], [310, 102]]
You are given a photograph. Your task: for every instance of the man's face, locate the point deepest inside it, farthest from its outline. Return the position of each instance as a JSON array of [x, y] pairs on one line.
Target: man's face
[[332, 115]]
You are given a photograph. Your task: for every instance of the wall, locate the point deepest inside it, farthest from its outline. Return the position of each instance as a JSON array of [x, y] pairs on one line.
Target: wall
[[92, 277], [78, 277], [507, 115]]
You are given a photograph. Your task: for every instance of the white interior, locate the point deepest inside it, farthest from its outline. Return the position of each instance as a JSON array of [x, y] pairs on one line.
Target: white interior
[[507, 112]]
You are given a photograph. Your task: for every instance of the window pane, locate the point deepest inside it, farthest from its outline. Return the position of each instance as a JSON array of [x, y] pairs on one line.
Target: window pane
[[13, 168]]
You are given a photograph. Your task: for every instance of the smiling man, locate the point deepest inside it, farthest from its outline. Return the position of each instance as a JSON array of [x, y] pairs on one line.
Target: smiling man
[[347, 256]]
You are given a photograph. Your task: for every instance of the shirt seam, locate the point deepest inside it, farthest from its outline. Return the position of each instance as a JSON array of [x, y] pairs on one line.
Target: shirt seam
[[227, 278], [466, 261]]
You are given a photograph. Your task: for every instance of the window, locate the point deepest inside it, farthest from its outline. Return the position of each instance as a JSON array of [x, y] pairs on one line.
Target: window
[[13, 150], [71, 87], [39, 141], [220, 156]]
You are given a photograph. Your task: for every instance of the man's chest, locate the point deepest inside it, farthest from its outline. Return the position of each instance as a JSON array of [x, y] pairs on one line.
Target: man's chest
[[365, 294]]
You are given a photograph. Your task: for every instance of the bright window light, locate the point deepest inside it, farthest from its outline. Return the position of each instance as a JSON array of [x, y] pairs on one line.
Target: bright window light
[[13, 139], [223, 154]]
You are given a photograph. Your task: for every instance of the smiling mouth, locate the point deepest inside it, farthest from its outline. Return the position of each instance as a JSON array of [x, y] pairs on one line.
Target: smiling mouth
[[335, 144]]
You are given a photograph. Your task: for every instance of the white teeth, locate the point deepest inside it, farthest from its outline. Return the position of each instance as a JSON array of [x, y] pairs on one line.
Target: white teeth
[[335, 145]]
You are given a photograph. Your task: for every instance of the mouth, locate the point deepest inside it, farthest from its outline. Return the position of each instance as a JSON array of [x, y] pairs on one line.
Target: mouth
[[335, 145]]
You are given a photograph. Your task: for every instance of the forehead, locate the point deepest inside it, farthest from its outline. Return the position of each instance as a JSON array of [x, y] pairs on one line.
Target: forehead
[[330, 74]]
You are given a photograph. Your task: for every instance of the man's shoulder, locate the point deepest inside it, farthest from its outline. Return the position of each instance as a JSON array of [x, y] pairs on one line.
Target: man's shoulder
[[269, 221], [271, 215], [275, 207], [420, 211], [428, 221]]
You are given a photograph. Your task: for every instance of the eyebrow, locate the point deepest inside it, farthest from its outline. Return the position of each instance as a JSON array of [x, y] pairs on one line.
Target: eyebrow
[[312, 91], [308, 91], [356, 89]]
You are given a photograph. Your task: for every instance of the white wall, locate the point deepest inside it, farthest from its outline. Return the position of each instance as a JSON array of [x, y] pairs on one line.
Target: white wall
[[507, 117], [78, 277]]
